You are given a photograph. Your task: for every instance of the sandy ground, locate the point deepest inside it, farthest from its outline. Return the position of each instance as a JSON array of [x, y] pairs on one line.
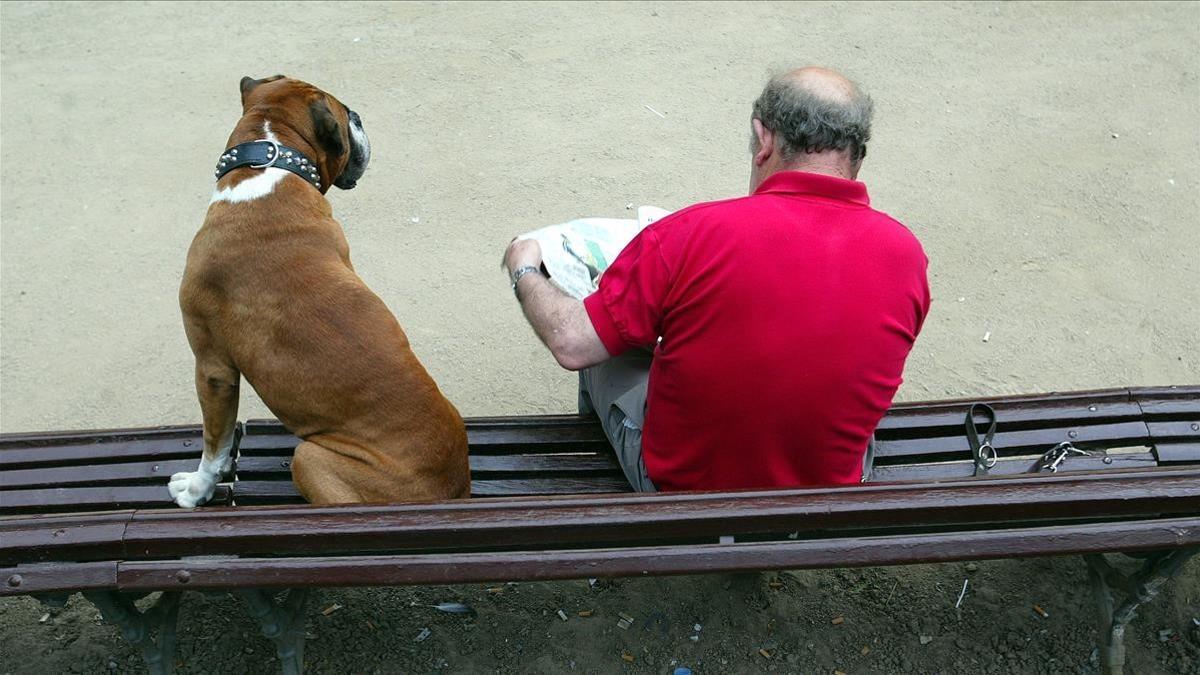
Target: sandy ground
[[1046, 155]]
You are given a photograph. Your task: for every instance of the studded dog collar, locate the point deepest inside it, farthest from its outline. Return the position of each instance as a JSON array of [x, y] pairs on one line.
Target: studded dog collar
[[263, 154]]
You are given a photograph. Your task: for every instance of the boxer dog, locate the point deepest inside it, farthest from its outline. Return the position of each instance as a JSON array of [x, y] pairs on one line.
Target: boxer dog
[[269, 293]]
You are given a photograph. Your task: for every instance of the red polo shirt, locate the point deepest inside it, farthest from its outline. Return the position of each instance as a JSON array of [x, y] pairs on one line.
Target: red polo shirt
[[785, 316]]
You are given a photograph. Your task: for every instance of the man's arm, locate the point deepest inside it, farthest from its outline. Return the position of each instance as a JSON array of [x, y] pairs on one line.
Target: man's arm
[[559, 320]]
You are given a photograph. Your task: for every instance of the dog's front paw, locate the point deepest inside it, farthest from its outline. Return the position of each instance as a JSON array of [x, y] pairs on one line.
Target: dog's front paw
[[192, 488]]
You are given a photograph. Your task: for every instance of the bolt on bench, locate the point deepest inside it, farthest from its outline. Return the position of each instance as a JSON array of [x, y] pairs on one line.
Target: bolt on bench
[[89, 512]]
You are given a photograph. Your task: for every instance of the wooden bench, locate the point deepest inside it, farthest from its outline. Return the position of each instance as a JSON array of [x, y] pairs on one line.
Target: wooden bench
[[89, 512]]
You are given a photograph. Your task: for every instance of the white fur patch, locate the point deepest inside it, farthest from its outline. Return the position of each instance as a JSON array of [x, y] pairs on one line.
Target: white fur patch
[[190, 489], [252, 188]]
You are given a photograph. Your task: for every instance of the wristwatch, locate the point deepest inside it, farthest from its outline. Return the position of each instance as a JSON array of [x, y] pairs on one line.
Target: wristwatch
[[522, 271]]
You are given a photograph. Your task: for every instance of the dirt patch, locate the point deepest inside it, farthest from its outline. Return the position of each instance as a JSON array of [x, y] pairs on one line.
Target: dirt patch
[[877, 620]]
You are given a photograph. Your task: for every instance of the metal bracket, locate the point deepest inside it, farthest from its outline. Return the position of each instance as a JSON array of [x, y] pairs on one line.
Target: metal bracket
[[137, 626], [1139, 588], [282, 622]]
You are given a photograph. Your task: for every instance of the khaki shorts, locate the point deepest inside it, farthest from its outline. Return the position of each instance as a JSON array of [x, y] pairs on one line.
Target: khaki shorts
[[616, 391]]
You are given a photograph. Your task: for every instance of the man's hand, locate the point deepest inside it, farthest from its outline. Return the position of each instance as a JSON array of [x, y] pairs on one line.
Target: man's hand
[[521, 253]]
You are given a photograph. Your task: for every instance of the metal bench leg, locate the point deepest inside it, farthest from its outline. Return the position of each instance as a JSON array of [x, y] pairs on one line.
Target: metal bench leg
[[138, 627], [282, 622], [1139, 587]]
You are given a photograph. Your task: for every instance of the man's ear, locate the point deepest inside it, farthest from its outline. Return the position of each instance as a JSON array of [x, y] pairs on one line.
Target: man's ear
[[329, 132], [764, 140], [248, 84]]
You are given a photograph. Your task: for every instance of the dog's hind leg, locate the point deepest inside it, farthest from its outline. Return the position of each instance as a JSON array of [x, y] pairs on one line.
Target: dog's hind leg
[[217, 384], [318, 474]]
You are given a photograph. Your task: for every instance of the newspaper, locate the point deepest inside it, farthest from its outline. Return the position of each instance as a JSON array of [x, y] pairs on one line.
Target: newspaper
[[576, 252]]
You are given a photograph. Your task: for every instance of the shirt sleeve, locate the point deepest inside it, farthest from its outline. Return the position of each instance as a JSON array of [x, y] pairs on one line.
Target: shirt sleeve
[[627, 309]]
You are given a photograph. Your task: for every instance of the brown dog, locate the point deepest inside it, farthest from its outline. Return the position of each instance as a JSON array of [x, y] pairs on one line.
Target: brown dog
[[269, 293]]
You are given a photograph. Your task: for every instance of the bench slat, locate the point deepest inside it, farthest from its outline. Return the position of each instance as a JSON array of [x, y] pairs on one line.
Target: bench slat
[[261, 426], [1010, 466], [1180, 430], [249, 492], [1178, 453], [278, 467], [1165, 408], [102, 474], [1175, 402], [1009, 415], [394, 570], [153, 448], [1169, 391], [1040, 440], [55, 500], [267, 444], [549, 486], [21, 440], [88, 537], [60, 577], [565, 439], [487, 431], [534, 439], [592, 521], [581, 463]]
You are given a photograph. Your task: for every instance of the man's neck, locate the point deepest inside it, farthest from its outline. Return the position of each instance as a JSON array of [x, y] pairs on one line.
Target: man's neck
[[833, 167], [828, 164]]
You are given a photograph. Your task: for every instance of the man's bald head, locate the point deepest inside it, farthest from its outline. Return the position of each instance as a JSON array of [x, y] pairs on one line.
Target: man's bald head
[[821, 82], [814, 110]]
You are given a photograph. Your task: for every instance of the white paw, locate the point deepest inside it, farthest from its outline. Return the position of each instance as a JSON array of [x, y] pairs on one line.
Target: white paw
[[192, 488]]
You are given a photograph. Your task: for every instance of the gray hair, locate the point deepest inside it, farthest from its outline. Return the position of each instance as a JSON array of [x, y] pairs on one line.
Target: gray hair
[[807, 122]]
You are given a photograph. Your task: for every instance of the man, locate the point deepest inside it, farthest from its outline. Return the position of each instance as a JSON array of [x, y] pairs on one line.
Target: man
[[779, 322]]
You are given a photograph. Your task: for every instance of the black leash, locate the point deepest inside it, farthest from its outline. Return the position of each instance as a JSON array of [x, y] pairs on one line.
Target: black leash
[[984, 453]]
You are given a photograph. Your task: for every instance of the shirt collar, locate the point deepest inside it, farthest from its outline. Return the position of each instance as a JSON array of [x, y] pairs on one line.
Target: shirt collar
[[821, 185]]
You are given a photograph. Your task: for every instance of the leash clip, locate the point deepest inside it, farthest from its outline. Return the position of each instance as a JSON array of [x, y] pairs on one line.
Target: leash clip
[[1055, 456], [272, 154]]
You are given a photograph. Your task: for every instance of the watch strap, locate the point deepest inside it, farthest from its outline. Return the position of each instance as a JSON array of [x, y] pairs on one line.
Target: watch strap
[[522, 271]]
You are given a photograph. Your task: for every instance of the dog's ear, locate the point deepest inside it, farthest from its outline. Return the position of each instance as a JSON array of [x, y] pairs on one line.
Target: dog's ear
[[248, 84], [329, 132]]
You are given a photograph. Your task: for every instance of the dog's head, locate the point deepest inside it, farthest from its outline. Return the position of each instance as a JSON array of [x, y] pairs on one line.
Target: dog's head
[[332, 129]]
